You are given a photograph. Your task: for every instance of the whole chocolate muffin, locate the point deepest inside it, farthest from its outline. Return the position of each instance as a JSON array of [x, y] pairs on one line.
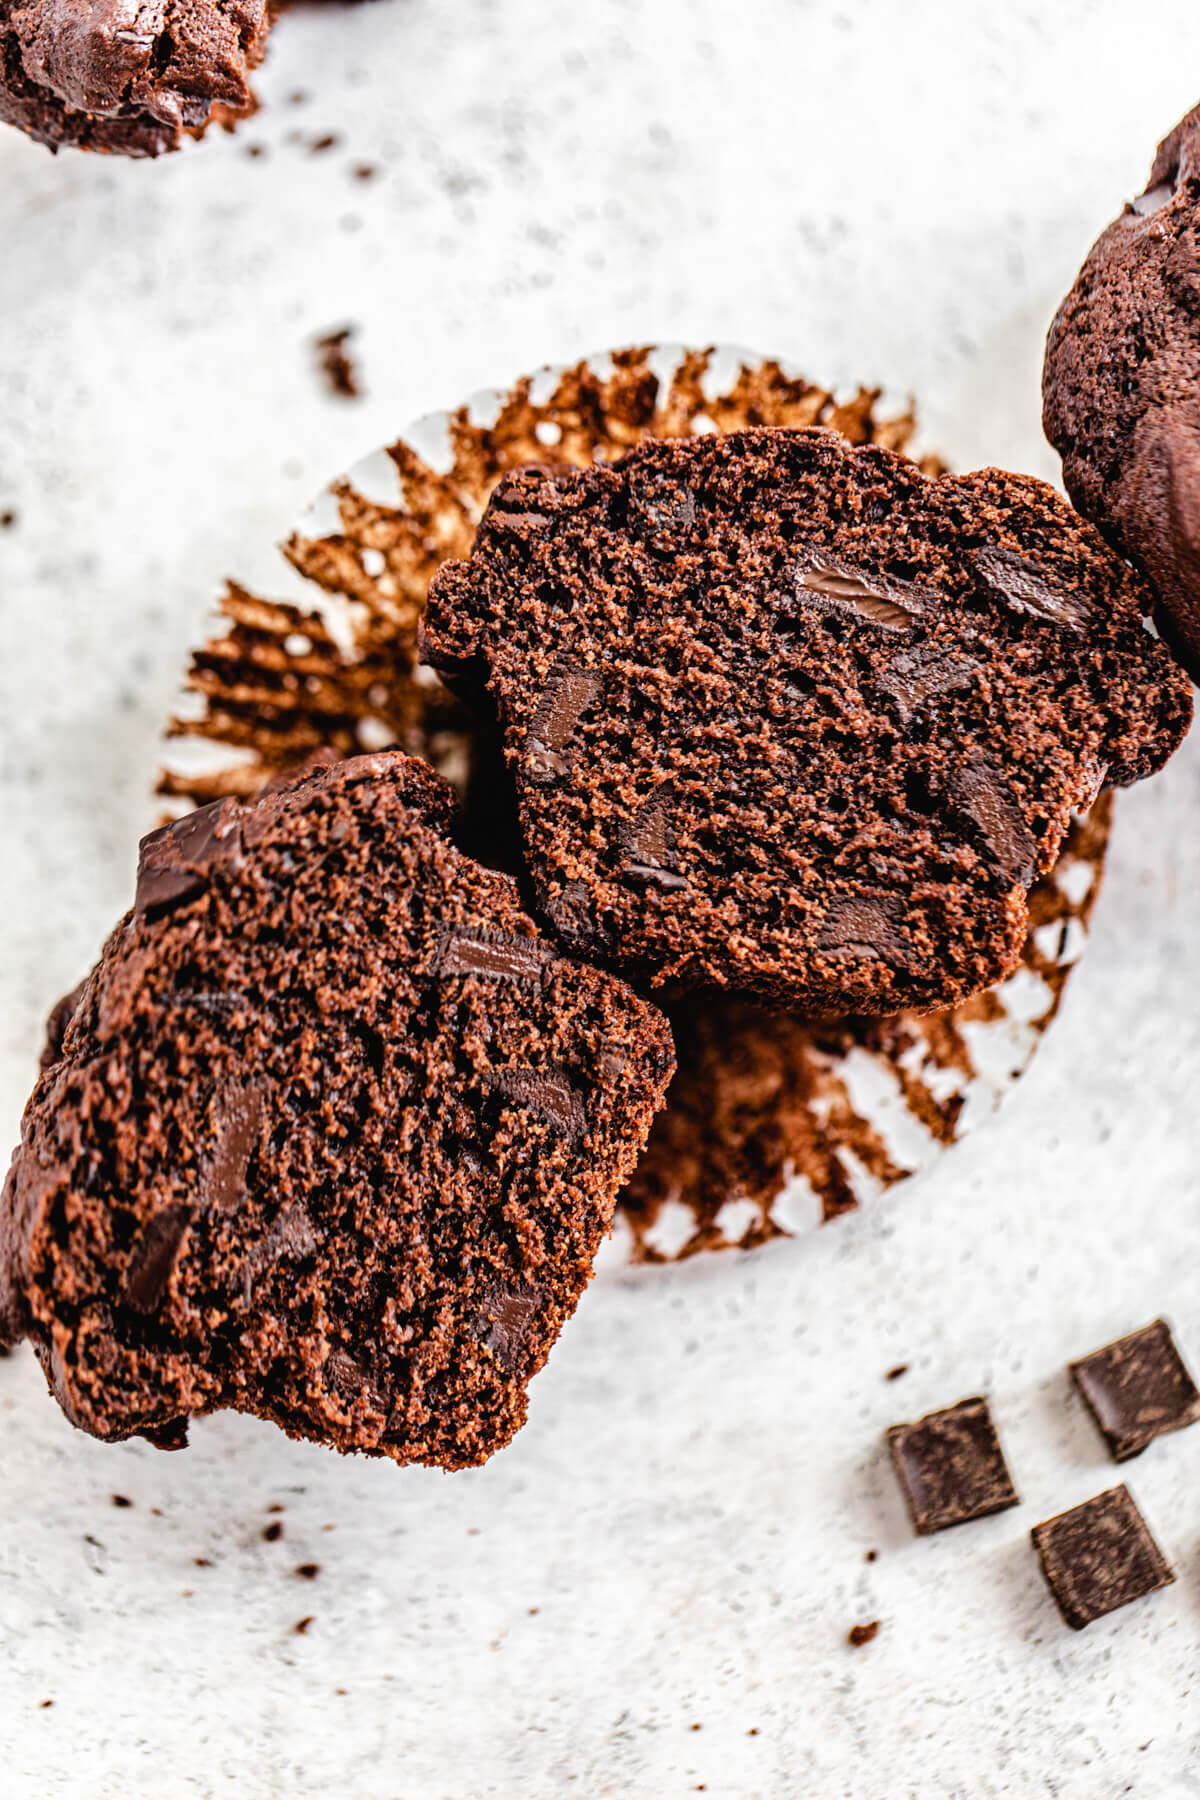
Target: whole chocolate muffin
[[1122, 385], [134, 77], [794, 719], [332, 1135]]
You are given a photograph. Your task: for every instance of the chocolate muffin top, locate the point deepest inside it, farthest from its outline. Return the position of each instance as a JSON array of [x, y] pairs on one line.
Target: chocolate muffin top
[[332, 1135], [132, 77], [1121, 385], [794, 719]]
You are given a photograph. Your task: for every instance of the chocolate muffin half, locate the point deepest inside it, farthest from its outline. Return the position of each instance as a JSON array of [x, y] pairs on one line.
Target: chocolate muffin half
[[1121, 385], [332, 1136], [132, 77], [793, 719]]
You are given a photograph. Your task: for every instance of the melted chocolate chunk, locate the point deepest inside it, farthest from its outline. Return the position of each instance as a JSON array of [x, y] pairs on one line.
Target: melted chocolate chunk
[[498, 955], [1137, 1389], [866, 927], [567, 697], [915, 677], [892, 605], [176, 860], [983, 794], [651, 844], [1153, 200], [951, 1467], [240, 1115], [1098, 1557], [154, 1255], [505, 1322], [1028, 591], [548, 1091]]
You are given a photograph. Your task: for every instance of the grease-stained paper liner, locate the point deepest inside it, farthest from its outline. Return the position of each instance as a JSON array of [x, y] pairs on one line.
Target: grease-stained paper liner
[[772, 1125]]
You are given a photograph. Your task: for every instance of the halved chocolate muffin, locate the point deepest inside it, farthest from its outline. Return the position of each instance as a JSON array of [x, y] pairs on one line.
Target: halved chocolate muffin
[[332, 1135], [793, 719]]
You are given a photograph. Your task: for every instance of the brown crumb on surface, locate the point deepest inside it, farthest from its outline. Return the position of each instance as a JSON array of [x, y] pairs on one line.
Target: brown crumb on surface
[[337, 365], [871, 1556], [8, 519], [256, 149], [299, 97], [308, 1571], [858, 1635], [895, 1373], [121, 1500], [365, 171], [202, 1562], [301, 1626], [753, 1731], [43, 1704], [327, 141], [273, 1532]]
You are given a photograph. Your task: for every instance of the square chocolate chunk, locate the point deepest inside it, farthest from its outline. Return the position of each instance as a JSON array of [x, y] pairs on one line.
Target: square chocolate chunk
[[1136, 1389], [1099, 1556], [951, 1467]]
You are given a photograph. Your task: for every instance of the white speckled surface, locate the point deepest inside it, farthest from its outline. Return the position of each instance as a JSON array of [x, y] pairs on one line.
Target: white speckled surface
[[874, 191]]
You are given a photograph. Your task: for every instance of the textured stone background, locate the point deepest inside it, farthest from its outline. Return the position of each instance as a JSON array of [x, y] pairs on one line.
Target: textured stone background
[[876, 191]]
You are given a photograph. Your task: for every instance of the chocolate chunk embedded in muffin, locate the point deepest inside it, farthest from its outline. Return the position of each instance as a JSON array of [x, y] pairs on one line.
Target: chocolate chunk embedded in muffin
[[1121, 385], [333, 1138], [133, 77], [794, 719]]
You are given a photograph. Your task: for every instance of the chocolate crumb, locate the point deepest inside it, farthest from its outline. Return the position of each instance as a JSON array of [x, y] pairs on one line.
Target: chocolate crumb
[[301, 1626], [8, 519], [871, 1556], [327, 141], [858, 1635], [202, 1562], [121, 1500], [365, 172], [895, 1374], [273, 1532], [336, 364], [308, 1571], [43, 1704]]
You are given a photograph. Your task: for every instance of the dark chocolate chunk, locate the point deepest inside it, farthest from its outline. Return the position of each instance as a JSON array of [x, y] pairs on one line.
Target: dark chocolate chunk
[[923, 673], [301, 1206], [177, 859], [1137, 1388], [240, 1112], [753, 763], [501, 956], [567, 698], [866, 926], [506, 1320], [1027, 591], [986, 798], [154, 1255], [892, 605], [549, 1091], [951, 1467], [653, 858], [1098, 1557]]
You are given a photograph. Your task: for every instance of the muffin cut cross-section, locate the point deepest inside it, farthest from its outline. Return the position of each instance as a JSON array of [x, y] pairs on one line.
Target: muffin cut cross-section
[[794, 719], [333, 1135]]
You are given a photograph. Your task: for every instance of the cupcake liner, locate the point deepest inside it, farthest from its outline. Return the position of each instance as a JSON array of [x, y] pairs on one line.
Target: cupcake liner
[[773, 1125]]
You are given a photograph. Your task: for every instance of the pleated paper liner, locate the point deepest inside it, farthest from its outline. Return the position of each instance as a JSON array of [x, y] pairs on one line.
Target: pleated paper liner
[[772, 1125]]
